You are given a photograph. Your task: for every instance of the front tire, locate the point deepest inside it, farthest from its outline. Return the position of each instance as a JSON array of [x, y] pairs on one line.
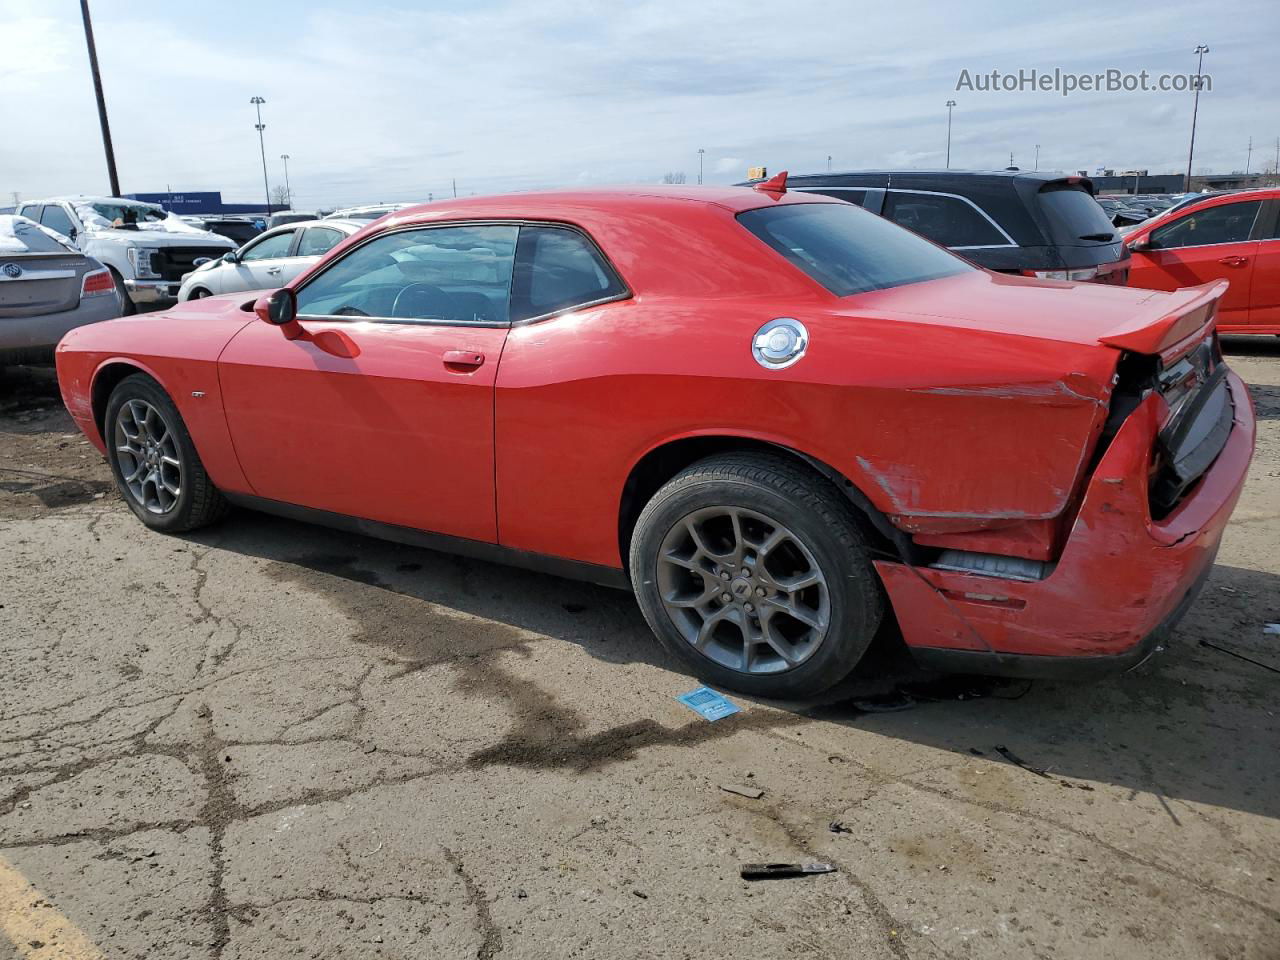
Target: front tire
[[153, 460], [128, 308], [752, 571]]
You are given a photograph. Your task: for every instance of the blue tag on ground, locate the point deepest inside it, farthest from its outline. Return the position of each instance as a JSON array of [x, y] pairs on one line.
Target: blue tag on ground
[[707, 702]]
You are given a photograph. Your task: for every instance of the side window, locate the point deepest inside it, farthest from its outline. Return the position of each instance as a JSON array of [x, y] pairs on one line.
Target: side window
[[556, 269], [850, 196], [31, 211], [276, 245], [1228, 223], [318, 240], [56, 219], [948, 221], [451, 274]]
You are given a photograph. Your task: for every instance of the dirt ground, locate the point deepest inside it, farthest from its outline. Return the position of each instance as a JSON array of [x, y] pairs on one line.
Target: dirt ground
[[272, 740]]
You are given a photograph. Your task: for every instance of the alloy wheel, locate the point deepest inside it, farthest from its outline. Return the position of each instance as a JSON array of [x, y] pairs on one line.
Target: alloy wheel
[[743, 589], [147, 453]]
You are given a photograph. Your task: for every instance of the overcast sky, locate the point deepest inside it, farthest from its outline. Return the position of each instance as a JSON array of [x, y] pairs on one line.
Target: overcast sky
[[382, 100]]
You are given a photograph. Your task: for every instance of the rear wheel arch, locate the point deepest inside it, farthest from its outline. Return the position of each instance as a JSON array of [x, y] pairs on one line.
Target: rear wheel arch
[[662, 463]]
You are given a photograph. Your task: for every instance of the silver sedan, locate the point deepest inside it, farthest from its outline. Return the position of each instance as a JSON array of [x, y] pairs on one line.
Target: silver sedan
[[47, 287], [269, 260]]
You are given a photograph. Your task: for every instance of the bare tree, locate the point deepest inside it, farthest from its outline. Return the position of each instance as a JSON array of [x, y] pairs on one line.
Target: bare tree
[[677, 177], [280, 196]]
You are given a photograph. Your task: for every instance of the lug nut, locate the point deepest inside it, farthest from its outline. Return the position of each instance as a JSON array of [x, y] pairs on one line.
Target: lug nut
[[749, 608], [725, 598], [760, 591], [724, 574]]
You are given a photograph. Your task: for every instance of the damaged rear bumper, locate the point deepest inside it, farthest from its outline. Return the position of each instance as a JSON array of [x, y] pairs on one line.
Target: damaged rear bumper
[[1122, 582]]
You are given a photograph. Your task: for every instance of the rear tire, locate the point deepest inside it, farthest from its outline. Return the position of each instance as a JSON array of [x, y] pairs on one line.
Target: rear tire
[[752, 571], [153, 460]]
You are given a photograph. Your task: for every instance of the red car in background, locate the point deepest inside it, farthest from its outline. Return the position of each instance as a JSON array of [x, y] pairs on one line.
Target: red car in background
[[1235, 237], [781, 420]]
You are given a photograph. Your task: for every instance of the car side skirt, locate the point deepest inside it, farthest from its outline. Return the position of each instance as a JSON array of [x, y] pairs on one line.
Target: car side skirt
[[476, 549]]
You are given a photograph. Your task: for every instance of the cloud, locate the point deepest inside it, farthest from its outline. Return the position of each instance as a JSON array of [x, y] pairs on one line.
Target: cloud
[[393, 100]]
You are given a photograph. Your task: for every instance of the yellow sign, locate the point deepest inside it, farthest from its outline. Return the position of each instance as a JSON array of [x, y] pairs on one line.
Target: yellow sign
[[756, 173]]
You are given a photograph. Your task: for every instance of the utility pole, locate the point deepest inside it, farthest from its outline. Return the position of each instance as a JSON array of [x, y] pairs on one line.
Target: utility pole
[[455, 188], [828, 163], [102, 103], [266, 188], [1011, 158], [700, 153], [287, 189], [1037, 156], [950, 104], [1248, 158], [1200, 51]]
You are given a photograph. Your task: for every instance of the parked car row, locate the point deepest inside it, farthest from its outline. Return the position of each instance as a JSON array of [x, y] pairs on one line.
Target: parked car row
[[147, 249]]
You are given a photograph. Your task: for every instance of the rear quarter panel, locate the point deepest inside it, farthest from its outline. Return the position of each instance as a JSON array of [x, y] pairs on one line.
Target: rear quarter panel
[[942, 428]]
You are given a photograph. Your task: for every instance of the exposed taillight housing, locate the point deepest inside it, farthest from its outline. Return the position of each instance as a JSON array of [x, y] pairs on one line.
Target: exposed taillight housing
[[97, 283], [1088, 273]]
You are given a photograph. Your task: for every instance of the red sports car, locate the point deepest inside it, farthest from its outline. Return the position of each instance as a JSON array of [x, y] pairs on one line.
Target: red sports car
[[779, 419], [1234, 237]]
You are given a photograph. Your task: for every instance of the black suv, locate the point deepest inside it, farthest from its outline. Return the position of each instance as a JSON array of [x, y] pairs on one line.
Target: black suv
[[1035, 224]]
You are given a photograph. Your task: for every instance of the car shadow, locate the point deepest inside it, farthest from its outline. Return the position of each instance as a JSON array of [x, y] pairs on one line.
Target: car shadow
[[1194, 724]]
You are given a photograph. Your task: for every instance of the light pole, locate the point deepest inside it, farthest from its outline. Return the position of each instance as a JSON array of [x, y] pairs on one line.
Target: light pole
[[287, 189], [1037, 156], [1248, 160], [266, 188], [1200, 51], [828, 163], [700, 153], [102, 103], [950, 104]]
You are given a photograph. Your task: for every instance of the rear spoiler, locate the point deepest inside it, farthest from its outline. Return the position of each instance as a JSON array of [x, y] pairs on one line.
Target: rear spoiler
[[1165, 320]]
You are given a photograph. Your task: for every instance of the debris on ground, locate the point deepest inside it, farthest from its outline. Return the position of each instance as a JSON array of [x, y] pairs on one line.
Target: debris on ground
[[836, 826], [1017, 761], [709, 704], [751, 793], [765, 871], [1241, 656]]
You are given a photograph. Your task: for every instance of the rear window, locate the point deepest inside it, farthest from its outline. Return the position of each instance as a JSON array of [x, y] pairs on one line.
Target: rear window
[[1074, 217], [849, 250], [20, 235]]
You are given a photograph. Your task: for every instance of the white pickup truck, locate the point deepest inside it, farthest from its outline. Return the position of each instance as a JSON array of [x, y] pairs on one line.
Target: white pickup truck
[[147, 250]]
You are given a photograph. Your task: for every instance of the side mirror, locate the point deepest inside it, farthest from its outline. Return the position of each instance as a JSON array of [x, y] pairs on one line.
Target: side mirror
[[280, 309], [231, 257], [1142, 243]]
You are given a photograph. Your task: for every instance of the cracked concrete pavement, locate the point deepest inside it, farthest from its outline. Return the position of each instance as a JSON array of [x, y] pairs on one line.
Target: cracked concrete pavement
[[268, 740]]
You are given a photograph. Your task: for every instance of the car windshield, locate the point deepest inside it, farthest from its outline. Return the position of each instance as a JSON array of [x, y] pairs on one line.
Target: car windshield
[[123, 214], [848, 250]]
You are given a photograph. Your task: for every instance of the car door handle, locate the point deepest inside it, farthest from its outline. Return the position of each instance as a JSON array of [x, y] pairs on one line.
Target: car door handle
[[1234, 261], [274, 270], [463, 358]]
